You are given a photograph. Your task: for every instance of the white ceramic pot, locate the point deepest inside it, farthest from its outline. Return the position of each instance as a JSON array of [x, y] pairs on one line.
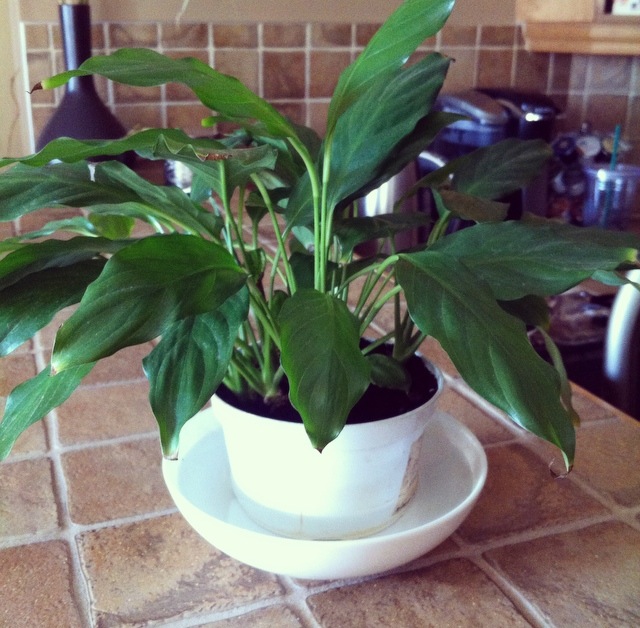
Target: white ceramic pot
[[358, 485]]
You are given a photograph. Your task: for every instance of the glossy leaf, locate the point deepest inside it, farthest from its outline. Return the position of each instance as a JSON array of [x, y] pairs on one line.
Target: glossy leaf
[[146, 68], [489, 347], [386, 52], [31, 303], [189, 363], [145, 288], [378, 120], [34, 399], [542, 258], [35, 257], [321, 357], [25, 189]]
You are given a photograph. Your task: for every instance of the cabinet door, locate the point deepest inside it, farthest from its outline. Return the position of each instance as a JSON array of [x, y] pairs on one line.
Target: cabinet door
[[556, 10]]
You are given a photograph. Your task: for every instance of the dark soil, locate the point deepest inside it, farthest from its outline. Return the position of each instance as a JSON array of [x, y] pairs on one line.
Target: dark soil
[[377, 403]]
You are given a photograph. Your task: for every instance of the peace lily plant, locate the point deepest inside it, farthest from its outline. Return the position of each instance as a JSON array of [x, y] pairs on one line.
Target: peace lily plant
[[226, 309]]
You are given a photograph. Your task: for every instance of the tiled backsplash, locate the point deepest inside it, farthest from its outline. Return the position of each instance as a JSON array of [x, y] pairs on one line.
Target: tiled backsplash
[[295, 66]]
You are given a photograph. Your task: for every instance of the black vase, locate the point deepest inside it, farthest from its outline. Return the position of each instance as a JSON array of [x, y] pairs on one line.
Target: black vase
[[81, 115]]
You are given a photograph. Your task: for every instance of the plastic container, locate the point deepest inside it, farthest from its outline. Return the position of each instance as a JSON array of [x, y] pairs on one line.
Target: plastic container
[[611, 196]]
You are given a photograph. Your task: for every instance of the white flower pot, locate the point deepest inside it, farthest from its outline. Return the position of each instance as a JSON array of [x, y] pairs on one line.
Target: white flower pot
[[358, 485]]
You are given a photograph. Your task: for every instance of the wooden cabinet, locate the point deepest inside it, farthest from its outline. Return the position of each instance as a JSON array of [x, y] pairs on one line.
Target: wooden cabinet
[[576, 26]]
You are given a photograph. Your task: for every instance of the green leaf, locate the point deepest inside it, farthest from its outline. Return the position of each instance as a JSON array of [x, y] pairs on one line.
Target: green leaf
[[144, 289], [25, 189], [354, 231], [34, 399], [496, 170], [489, 347], [321, 357], [224, 94], [31, 303], [386, 52], [378, 120], [189, 363], [32, 258], [543, 258], [473, 208], [388, 373]]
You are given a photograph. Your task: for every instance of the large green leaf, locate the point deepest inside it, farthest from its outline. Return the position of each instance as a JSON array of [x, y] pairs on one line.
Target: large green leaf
[[33, 258], [498, 169], [146, 68], [489, 347], [34, 399], [144, 289], [25, 189], [394, 42], [541, 258], [321, 357], [30, 304], [378, 120], [189, 363]]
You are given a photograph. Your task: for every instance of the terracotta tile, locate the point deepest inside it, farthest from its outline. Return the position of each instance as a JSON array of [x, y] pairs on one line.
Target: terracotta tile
[[124, 94], [589, 407], [325, 71], [609, 73], [100, 481], [159, 569], [37, 36], [279, 616], [97, 36], [497, 35], [31, 441], [330, 35], [462, 70], [318, 116], [134, 116], [188, 117], [35, 587], [39, 118], [284, 74], [284, 35], [194, 36], [295, 111], [14, 369], [605, 111], [520, 494], [454, 593], [97, 413], [486, 428], [27, 503], [598, 445], [123, 366], [432, 350], [243, 64], [364, 32], [494, 68], [128, 34], [235, 35], [586, 577], [457, 35], [532, 71], [6, 230], [561, 72], [579, 68]]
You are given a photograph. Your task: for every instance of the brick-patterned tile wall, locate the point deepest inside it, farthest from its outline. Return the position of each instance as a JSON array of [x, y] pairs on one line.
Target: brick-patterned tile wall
[[295, 66]]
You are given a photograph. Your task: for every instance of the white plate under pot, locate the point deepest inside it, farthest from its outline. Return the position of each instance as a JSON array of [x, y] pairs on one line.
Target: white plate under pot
[[453, 469]]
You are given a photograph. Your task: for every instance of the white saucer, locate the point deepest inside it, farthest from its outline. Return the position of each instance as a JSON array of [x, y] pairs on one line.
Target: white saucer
[[453, 472]]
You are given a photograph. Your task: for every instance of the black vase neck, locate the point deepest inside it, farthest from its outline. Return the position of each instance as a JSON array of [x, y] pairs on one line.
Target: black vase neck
[[75, 24]]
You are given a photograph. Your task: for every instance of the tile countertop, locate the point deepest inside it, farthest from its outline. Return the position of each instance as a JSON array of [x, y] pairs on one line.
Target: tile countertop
[[90, 537]]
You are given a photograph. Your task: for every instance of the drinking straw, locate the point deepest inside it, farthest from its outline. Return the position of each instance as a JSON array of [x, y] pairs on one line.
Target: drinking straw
[[609, 184]]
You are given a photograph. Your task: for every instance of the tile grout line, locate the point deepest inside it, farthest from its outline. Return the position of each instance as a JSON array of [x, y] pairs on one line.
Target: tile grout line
[[79, 584]]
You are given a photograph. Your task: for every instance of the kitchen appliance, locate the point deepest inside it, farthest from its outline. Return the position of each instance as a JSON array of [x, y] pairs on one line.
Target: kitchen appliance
[[494, 115]]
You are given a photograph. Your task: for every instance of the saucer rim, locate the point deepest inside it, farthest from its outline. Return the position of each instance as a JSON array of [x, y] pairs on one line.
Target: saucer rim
[[325, 559]]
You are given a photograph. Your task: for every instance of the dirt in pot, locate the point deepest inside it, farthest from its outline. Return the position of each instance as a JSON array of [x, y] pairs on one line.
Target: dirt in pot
[[377, 403]]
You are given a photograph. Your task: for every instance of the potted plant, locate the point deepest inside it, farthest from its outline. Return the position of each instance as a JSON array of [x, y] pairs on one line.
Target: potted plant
[[291, 323]]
